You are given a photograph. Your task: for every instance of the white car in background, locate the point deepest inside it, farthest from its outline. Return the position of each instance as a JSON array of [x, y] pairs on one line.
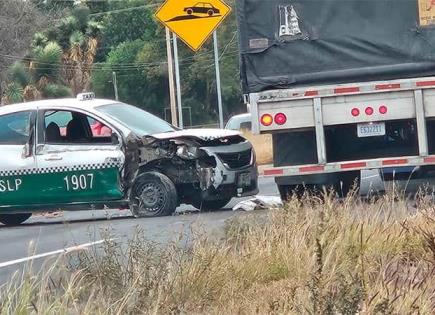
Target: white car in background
[[239, 122]]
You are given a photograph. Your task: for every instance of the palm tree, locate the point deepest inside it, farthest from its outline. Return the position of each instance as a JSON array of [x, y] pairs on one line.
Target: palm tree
[[37, 76], [59, 63]]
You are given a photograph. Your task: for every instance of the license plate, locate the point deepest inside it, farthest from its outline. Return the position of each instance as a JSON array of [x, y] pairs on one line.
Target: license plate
[[371, 129], [244, 180]]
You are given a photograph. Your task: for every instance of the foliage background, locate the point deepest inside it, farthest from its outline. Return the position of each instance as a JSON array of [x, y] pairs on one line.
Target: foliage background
[[75, 46]]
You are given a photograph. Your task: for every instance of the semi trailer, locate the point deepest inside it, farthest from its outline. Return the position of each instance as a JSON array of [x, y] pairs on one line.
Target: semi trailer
[[346, 88]]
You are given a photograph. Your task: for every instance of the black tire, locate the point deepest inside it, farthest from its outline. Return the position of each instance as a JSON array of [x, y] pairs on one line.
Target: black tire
[[189, 11], [14, 219], [153, 195], [210, 12], [348, 182], [344, 184], [288, 191], [285, 191], [210, 205]]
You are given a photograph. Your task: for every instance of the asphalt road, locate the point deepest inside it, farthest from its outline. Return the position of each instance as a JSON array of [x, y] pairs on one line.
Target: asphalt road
[[42, 237]]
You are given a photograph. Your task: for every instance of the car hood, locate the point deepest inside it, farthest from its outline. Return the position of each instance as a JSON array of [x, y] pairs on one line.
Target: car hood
[[201, 134]]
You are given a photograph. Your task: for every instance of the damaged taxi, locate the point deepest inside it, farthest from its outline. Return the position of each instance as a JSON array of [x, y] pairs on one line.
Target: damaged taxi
[[86, 153]]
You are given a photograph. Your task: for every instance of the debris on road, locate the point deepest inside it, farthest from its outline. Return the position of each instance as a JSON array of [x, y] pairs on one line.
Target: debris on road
[[259, 203]]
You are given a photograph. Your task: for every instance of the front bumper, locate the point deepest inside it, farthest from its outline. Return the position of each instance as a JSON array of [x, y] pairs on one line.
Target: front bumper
[[226, 181]]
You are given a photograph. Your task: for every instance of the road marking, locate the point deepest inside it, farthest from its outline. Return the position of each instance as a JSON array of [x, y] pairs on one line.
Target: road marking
[[47, 254]]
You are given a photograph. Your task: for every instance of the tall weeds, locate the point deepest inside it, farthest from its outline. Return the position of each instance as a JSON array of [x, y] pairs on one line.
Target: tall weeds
[[313, 256]]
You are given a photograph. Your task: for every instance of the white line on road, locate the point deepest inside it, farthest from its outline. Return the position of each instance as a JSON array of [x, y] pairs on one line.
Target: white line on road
[[56, 252]]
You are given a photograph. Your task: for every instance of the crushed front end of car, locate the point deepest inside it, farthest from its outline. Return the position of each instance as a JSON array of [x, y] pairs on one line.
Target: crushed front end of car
[[207, 166]]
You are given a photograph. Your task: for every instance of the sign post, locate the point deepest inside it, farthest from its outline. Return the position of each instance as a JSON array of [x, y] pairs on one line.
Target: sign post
[[172, 99], [194, 22], [218, 80], [177, 82]]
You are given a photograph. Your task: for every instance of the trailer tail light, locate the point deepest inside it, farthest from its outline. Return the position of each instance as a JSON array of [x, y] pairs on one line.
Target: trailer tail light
[[369, 111], [383, 109], [280, 119], [355, 112], [266, 120]]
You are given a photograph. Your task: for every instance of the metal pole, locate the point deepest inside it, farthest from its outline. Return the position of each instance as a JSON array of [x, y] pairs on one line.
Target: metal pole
[[177, 82], [115, 85], [172, 98], [218, 80]]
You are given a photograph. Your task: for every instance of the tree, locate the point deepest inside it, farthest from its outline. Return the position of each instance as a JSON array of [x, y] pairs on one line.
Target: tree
[[60, 61], [36, 76], [19, 20], [99, 38]]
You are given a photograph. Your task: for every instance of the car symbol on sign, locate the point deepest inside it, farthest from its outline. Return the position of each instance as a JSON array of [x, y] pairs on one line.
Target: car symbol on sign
[[203, 8]]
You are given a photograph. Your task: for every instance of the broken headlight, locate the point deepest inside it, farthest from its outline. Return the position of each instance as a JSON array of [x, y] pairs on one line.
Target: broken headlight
[[187, 153]]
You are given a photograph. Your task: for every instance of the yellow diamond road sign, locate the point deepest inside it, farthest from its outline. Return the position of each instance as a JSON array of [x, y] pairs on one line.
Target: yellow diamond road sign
[[193, 21]]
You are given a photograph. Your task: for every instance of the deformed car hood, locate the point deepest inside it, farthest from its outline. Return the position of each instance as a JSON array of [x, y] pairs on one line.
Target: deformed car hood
[[202, 134]]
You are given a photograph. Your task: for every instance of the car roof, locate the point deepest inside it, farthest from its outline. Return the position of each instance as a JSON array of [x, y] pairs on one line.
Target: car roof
[[59, 103], [242, 116]]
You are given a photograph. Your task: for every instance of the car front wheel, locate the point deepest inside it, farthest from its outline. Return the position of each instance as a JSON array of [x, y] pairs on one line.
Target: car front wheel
[[153, 195], [14, 219]]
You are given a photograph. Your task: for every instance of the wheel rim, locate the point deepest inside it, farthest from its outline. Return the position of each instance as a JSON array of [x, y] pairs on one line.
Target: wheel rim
[[152, 197]]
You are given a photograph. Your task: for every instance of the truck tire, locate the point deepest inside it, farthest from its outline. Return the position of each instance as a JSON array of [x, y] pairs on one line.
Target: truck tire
[[347, 182], [153, 194], [210, 205], [288, 191], [14, 219], [343, 184]]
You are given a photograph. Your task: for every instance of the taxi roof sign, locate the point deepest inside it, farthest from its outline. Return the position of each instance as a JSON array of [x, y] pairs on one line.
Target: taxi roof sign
[[88, 96], [193, 22]]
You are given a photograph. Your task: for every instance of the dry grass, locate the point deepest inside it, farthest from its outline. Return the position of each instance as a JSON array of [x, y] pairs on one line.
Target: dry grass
[[311, 257], [262, 145]]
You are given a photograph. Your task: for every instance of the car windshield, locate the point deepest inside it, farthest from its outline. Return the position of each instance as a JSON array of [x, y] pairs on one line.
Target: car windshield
[[139, 121], [236, 122]]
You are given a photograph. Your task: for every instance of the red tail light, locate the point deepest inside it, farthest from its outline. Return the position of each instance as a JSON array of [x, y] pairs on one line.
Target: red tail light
[[383, 109], [369, 111], [280, 119], [266, 120], [355, 112]]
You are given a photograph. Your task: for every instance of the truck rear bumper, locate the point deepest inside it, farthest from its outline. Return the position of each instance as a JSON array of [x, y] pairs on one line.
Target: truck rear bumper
[[349, 166]]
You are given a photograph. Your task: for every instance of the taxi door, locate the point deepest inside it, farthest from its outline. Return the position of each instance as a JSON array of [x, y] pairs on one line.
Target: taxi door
[[75, 164], [18, 182]]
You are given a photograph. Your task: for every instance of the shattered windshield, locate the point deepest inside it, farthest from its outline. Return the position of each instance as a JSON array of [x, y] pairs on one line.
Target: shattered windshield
[[139, 121]]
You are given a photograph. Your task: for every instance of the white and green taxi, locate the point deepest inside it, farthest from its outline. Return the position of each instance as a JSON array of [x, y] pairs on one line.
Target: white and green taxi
[[86, 153]]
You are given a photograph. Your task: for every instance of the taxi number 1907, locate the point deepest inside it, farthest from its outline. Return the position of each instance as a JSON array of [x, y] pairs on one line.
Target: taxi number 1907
[[79, 182]]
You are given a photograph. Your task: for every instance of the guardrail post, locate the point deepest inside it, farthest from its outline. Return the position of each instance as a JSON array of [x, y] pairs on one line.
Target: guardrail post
[[421, 123], [320, 131]]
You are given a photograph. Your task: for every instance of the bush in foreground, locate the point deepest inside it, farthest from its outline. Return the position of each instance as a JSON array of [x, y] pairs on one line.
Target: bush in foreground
[[310, 257]]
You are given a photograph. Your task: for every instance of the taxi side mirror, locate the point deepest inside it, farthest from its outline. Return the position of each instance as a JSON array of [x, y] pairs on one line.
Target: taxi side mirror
[[27, 150], [114, 138]]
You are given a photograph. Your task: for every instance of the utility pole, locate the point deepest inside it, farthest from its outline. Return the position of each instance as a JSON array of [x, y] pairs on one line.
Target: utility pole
[[172, 99], [218, 80], [177, 81], [115, 85]]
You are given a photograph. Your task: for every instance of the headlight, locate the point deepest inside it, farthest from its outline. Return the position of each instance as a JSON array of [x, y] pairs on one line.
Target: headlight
[[187, 153]]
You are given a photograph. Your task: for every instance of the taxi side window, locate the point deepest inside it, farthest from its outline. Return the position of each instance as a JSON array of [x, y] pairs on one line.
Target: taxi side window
[[69, 127], [15, 128]]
